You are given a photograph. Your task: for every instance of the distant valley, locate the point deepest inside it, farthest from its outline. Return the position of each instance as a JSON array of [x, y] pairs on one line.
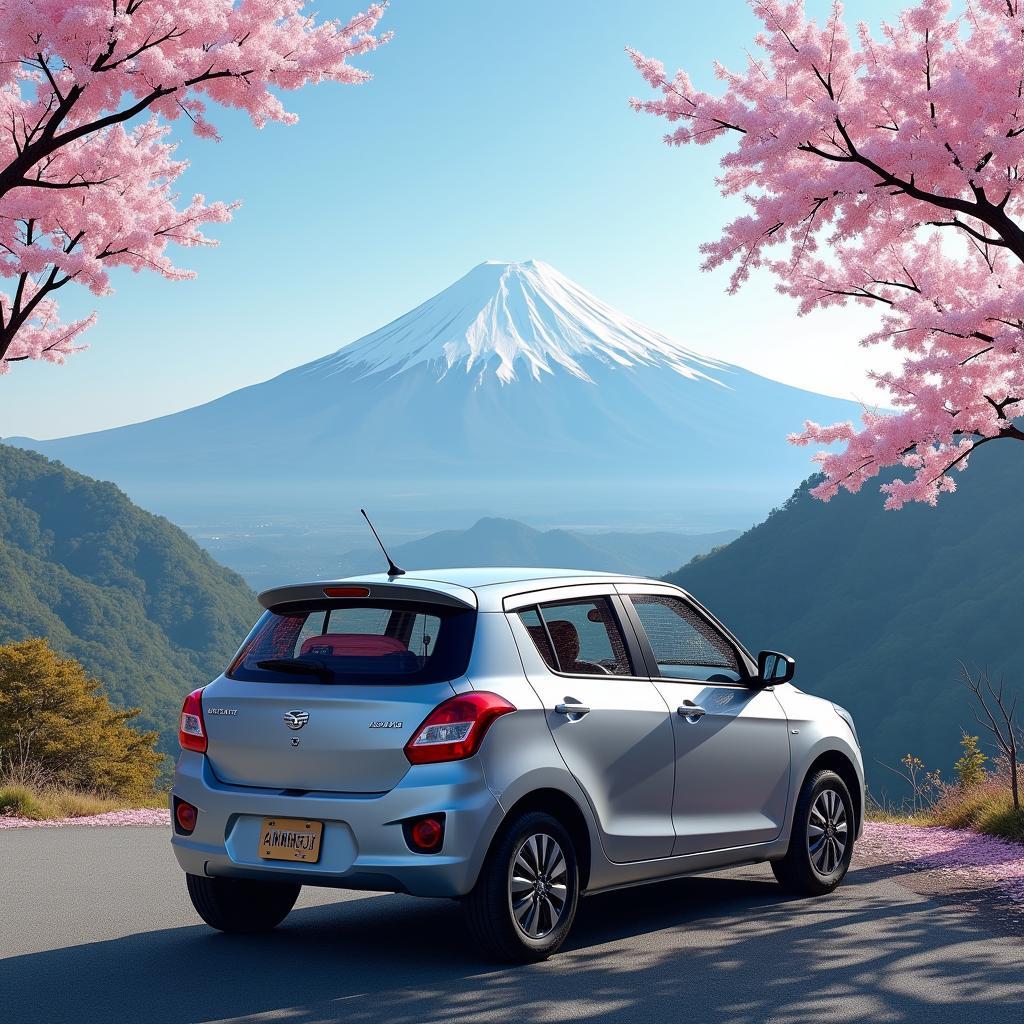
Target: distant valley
[[877, 607], [282, 551]]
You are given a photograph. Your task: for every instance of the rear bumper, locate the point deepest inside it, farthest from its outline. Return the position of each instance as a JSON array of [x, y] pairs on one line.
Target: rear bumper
[[363, 846]]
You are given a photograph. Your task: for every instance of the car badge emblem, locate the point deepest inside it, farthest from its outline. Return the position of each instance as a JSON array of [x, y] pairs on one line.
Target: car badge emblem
[[296, 719]]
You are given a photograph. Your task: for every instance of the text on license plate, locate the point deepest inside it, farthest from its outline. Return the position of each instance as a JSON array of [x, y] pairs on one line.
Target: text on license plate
[[291, 839]]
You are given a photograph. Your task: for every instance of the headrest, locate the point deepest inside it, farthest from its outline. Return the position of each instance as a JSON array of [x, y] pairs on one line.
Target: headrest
[[566, 640], [351, 645], [539, 634]]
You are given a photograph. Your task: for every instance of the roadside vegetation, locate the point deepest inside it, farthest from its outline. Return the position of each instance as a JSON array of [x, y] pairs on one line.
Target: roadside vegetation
[[980, 797], [65, 750], [47, 802], [985, 806], [985, 795]]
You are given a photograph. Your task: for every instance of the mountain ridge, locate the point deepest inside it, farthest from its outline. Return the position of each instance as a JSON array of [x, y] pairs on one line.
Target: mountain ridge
[[880, 607], [513, 389], [490, 541], [144, 608]]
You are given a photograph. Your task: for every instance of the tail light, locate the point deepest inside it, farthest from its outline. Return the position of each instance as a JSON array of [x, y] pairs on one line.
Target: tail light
[[346, 591], [455, 729], [191, 731], [425, 835], [186, 815]]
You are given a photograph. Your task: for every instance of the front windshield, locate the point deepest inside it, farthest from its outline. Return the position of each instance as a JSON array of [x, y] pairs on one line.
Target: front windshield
[[358, 641]]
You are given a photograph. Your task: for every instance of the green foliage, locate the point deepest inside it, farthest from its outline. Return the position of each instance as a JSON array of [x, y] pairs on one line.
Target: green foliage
[[878, 607], [126, 593], [22, 801], [1002, 820], [56, 725], [970, 768]]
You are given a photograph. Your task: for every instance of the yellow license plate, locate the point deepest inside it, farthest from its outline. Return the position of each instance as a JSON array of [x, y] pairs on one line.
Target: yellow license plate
[[291, 839]]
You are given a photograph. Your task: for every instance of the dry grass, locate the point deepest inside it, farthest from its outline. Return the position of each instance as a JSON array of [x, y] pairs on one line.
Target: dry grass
[[986, 808], [43, 803], [889, 816]]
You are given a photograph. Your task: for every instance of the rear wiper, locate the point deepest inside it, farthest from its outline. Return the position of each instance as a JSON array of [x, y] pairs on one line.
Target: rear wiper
[[299, 666]]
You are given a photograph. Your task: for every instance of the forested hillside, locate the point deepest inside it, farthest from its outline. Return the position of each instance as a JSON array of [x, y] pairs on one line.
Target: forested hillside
[[127, 593], [878, 607]]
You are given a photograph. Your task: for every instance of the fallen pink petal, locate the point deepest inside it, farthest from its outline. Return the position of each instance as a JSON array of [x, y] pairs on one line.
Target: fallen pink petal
[[142, 816], [971, 855]]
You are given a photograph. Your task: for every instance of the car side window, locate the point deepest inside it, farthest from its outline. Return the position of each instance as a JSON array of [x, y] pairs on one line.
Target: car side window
[[579, 637], [685, 644], [538, 633]]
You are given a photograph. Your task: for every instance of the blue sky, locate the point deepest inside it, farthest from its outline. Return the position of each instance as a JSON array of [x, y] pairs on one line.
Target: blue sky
[[492, 130]]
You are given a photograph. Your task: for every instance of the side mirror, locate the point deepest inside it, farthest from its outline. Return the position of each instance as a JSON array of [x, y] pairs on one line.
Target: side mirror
[[773, 667]]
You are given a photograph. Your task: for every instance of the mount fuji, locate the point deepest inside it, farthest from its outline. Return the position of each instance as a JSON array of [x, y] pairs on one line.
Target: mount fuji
[[513, 391]]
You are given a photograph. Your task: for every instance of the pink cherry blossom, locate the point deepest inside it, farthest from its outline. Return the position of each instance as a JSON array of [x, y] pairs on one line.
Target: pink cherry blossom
[[883, 169], [88, 92]]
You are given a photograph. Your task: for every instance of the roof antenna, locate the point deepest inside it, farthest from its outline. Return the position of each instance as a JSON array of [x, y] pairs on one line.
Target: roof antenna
[[393, 569]]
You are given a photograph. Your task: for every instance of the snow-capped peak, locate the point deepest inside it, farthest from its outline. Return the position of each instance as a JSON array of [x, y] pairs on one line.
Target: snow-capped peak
[[513, 319]]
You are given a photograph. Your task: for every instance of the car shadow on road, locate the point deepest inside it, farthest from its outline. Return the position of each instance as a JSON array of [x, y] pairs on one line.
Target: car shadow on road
[[702, 949]]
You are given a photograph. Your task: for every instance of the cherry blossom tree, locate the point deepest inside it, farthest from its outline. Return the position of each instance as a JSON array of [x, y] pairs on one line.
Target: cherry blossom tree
[[88, 92], [883, 169]]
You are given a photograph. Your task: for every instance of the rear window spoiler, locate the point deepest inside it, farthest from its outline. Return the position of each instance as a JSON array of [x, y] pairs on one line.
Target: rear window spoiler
[[280, 599]]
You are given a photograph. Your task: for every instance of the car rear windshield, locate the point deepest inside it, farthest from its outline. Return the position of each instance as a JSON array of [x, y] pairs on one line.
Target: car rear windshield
[[358, 641]]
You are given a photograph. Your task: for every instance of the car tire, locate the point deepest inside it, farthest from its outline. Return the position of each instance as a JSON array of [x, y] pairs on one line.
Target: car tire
[[524, 902], [821, 843], [241, 906]]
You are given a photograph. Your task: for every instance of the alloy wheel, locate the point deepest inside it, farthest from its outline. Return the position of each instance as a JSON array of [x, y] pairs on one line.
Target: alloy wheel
[[827, 832], [537, 885]]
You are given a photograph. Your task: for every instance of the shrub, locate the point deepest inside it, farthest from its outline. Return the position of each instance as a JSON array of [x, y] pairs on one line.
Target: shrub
[[970, 769], [926, 788], [996, 709], [22, 802], [56, 726], [987, 807], [1003, 820]]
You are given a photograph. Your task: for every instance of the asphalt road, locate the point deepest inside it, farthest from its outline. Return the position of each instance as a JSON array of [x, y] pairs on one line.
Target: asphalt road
[[95, 926]]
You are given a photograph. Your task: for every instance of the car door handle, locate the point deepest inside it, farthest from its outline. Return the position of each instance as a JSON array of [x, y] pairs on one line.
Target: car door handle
[[691, 712], [572, 709]]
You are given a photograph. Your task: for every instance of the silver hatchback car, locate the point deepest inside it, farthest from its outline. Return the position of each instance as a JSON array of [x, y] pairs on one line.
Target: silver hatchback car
[[512, 738]]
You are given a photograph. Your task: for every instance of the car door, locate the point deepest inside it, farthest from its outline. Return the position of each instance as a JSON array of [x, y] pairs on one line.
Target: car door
[[608, 719], [731, 737]]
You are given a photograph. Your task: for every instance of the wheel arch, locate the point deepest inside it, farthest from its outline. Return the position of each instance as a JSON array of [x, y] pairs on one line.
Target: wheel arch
[[565, 809], [838, 762]]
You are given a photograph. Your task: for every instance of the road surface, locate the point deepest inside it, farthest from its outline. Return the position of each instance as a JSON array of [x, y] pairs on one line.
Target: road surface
[[95, 926]]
